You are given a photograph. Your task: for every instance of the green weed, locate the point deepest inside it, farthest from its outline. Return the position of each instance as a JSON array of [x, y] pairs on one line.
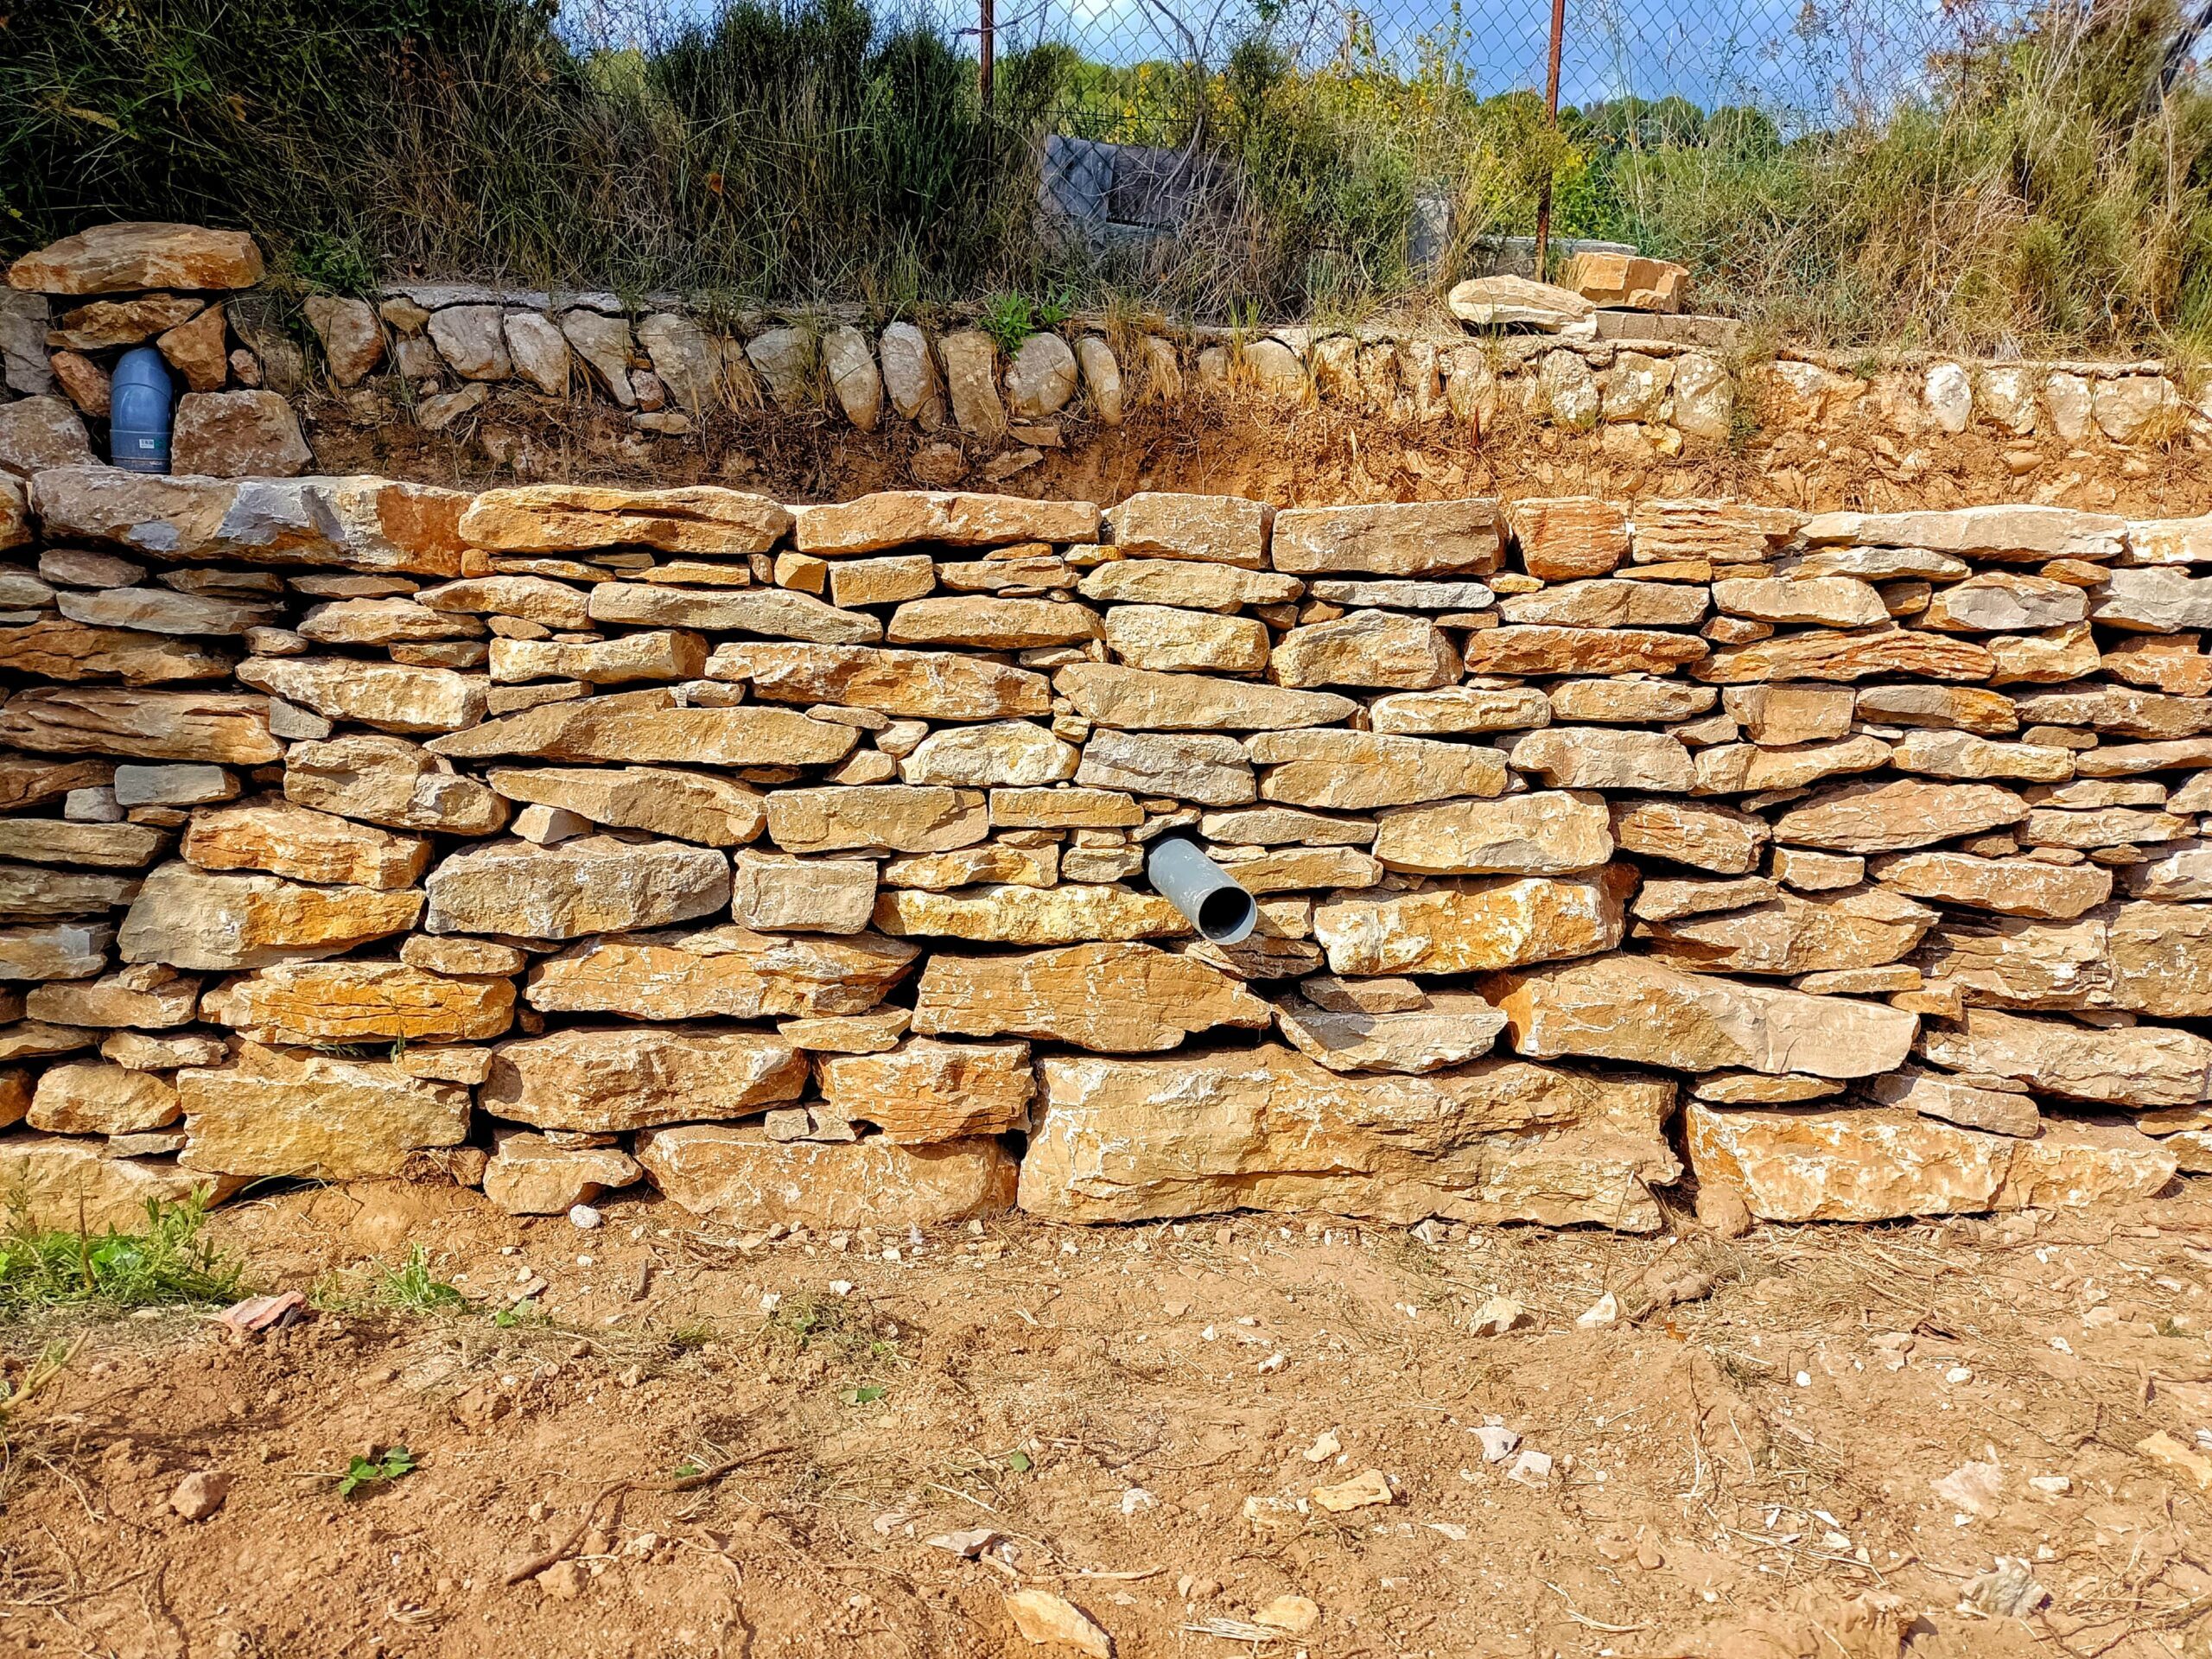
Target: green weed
[[835, 1324], [361, 1472], [412, 1288], [1009, 319], [168, 1263]]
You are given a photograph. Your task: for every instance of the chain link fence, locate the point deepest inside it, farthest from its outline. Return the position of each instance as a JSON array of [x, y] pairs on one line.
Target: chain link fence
[[1139, 67]]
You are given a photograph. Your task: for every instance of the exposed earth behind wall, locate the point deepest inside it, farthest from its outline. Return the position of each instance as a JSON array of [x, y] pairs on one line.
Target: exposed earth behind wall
[[1139, 1418], [1242, 444]]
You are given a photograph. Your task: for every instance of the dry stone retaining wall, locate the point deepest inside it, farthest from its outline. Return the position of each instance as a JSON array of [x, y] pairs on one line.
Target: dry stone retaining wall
[[791, 859], [433, 355]]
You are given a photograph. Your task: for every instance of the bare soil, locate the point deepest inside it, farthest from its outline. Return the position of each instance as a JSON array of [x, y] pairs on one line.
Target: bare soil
[[1296, 456], [1745, 1472]]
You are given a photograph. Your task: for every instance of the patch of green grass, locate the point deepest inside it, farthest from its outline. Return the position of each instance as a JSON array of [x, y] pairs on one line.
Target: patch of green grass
[[169, 1263], [412, 1288]]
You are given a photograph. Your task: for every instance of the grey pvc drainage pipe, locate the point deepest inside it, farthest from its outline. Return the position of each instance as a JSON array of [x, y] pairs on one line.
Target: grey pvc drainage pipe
[[1217, 905]]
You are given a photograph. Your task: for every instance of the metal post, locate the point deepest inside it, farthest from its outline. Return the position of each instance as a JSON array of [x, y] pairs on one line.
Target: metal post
[[986, 42], [1551, 116]]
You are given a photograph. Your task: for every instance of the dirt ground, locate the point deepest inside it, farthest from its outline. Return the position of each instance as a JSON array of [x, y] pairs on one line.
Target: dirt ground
[[1297, 457], [679, 1443]]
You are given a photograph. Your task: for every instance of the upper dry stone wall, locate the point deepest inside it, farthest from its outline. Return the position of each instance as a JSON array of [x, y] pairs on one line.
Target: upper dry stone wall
[[792, 859], [433, 357]]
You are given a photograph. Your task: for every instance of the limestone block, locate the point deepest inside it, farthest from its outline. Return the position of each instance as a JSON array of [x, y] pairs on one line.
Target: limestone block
[[1648, 1013], [150, 996], [1358, 770], [606, 1081], [314, 1116], [390, 781], [595, 884], [582, 518], [1540, 651], [901, 817], [657, 654], [1705, 398], [925, 1092], [1860, 927], [1460, 709], [1448, 1029], [1101, 377], [1167, 639], [726, 972], [1883, 818], [288, 840], [737, 1178], [159, 610], [1213, 529], [2015, 532], [390, 697], [1541, 833], [1041, 378], [470, 338], [1475, 926], [95, 1097], [1139, 699], [126, 257], [923, 684], [992, 624], [528, 1175], [774, 892], [1008, 915], [1517, 302], [1426, 538], [538, 350], [62, 1182], [776, 613], [326, 1003], [1594, 757], [1600, 603], [1266, 1128], [2134, 1066], [909, 376], [1874, 1165], [2010, 886], [1367, 648], [1715, 838], [653, 726], [890, 519], [1114, 997], [686, 358], [1186, 584], [1933, 1094], [215, 727], [191, 918]]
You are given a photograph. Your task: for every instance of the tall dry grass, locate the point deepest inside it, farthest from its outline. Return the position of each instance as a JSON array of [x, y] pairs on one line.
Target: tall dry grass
[[2037, 193]]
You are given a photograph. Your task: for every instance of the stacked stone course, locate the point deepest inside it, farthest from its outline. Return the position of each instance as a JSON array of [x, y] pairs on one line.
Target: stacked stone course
[[559, 837], [440, 356]]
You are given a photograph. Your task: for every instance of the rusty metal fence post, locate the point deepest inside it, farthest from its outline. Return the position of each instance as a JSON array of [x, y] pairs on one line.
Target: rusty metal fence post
[[1551, 126], [987, 29]]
